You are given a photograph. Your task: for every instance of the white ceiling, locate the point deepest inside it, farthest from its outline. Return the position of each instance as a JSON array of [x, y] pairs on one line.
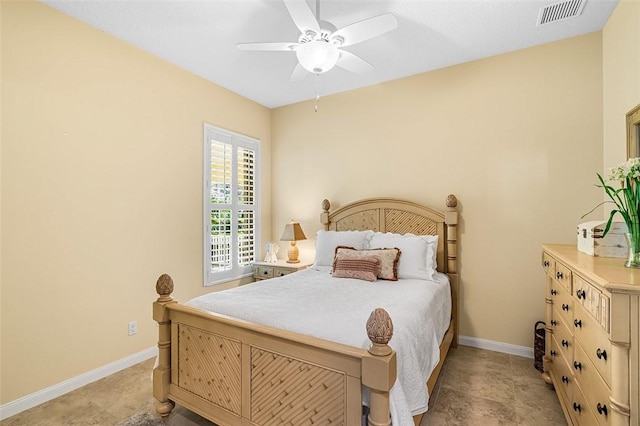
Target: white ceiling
[[201, 36]]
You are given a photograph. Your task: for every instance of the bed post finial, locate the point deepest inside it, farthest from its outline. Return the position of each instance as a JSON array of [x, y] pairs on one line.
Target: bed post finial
[[452, 201], [380, 331], [379, 369], [324, 216], [164, 288]]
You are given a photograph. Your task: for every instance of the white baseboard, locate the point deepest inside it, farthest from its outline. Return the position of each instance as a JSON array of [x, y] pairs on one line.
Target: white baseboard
[[491, 345], [14, 407]]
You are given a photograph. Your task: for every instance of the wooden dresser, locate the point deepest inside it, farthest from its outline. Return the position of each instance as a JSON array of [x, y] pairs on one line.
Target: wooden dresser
[[592, 336]]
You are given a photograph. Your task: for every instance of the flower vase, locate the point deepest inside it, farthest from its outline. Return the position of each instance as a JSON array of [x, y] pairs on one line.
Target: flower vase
[[633, 256]]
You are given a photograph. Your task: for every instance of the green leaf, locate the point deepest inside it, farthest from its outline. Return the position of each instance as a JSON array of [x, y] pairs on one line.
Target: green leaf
[[606, 228], [593, 209]]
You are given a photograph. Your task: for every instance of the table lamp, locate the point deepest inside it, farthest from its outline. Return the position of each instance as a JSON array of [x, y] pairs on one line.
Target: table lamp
[[293, 232]]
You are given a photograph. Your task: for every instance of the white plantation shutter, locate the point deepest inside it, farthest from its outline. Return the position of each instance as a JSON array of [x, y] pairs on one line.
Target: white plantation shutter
[[246, 206], [231, 205]]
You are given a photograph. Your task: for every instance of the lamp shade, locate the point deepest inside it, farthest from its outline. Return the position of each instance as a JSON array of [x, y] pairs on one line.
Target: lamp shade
[[292, 232], [317, 56]]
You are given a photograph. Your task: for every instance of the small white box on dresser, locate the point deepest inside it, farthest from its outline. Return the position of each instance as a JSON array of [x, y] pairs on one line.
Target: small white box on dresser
[[591, 241]]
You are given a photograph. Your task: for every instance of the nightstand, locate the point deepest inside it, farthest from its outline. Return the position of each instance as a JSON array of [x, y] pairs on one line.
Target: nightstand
[[266, 270]]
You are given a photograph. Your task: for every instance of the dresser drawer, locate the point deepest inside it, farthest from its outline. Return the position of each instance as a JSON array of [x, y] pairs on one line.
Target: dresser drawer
[[564, 340], [594, 341], [554, 351], [278, 272], [561, 372], [563, 276], [549, 265], [264, 272], [598, 393], [563, 305], [579, 408], [594, 302], [556, 289]]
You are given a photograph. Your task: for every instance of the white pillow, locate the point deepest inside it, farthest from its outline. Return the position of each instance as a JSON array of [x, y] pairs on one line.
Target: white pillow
[[327, 241], [418, 253], [432, 258]]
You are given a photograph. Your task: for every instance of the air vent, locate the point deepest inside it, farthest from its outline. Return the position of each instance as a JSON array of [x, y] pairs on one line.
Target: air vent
[[559, 11]]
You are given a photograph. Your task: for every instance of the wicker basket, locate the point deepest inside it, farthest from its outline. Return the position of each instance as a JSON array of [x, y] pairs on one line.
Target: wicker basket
[[538, 345]]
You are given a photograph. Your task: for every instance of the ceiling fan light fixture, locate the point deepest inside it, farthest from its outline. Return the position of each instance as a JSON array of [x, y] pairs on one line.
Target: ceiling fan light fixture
[[318, 56]]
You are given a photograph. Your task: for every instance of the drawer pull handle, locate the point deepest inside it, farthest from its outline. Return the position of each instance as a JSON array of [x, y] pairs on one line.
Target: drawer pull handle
[[581, 294], [565, 343], [554, 323], [576, 407], [565, 379], [565, 307], [601, 354], [602, 409], [553, 353], [266, 272], [554, 292], [546, 263], [577, 365], [559, 275], [282, 274], [577, 323]]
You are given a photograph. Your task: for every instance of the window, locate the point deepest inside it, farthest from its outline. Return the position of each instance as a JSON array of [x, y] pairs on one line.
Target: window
[[231, 194]]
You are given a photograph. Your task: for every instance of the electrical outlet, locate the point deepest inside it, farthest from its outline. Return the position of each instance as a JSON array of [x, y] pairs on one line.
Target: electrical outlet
[[133, 328]]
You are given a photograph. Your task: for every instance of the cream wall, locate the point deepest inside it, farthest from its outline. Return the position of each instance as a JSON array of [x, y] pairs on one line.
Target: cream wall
[[621, 78], [516, 137], [101, 192]]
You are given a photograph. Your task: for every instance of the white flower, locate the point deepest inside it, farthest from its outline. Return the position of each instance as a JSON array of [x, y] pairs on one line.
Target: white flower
[[630, 169]]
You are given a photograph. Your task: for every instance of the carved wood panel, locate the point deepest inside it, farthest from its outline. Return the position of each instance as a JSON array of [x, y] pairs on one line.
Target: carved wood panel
[[369, 219], [209, 366], [402, 222], [289, 392]]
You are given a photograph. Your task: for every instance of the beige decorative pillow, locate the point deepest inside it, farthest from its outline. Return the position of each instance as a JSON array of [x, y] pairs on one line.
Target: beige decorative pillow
[[349, 265], [389, 258]]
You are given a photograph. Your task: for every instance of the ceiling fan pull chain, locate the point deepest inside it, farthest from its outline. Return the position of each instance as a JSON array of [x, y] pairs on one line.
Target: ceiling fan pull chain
[[315, 85]]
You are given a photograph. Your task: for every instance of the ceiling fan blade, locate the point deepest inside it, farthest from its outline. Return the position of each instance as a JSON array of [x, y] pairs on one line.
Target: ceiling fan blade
[[298, 74], [364, 30], [268, 46], [353, 63], [302, 16]]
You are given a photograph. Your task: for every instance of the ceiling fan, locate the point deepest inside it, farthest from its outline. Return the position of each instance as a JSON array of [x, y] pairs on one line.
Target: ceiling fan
[[319, 46]]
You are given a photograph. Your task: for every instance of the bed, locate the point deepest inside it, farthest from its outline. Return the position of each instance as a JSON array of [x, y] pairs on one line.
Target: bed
[[315, 364]]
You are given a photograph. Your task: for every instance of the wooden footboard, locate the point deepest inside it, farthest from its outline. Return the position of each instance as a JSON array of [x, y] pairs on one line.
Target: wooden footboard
[[238, 373], [235, 372]]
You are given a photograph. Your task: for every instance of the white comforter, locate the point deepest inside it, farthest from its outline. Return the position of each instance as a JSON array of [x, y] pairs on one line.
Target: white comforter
[[314, 303]]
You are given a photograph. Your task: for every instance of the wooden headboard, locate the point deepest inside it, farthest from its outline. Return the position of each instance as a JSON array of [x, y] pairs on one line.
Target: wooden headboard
[[400, 217]]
